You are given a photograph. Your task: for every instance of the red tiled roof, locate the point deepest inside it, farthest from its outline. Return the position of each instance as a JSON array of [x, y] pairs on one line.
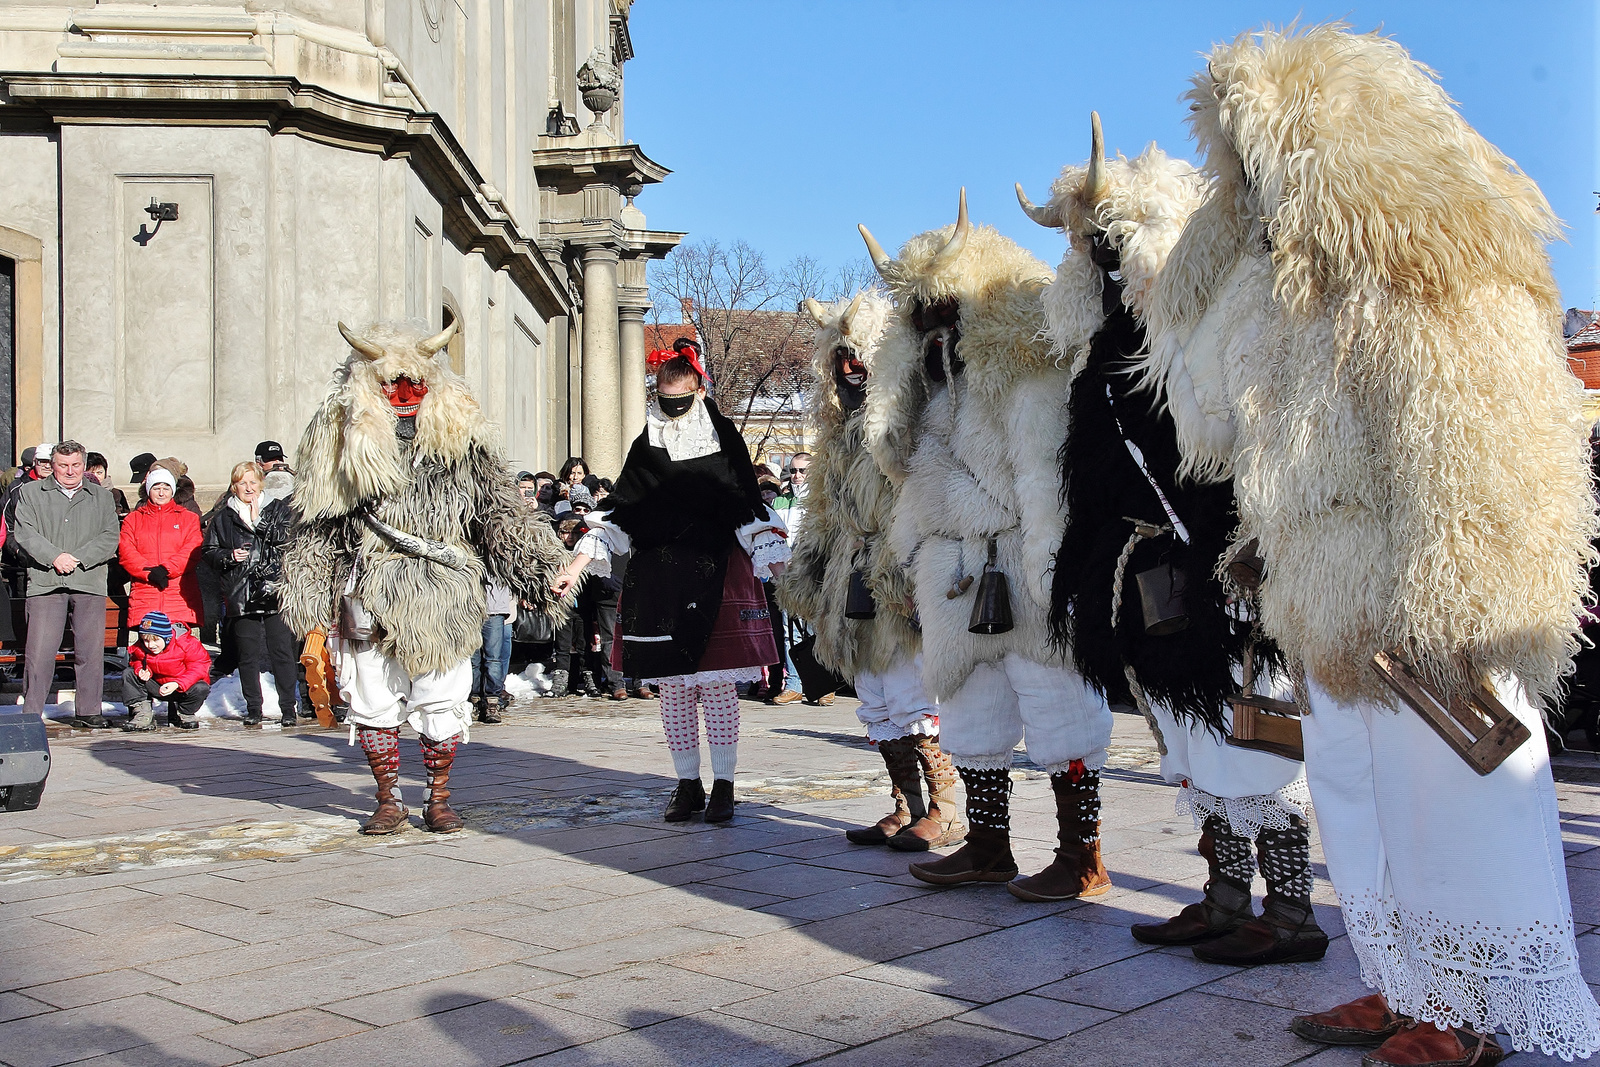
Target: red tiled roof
[[1588, 337]]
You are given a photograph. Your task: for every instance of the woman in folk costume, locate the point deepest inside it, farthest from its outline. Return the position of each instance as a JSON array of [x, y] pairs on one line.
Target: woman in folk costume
[[1361, 328], [981, 498], [402, 506], [1130, 515], [693, 617], [872, 641]]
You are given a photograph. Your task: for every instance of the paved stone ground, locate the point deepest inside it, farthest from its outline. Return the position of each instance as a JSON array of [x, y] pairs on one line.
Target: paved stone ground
[[201, 899]]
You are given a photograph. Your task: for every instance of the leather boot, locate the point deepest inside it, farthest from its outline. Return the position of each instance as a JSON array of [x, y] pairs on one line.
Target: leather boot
[[1287, 930], [558, 683], [986, 857], [942, 825], [489, 712], [1425, 1045], [720, 807], [688, 798], [1284, 932], [1226, 906], [383, 756], [1077, 870], [899, 756], [437, 756]]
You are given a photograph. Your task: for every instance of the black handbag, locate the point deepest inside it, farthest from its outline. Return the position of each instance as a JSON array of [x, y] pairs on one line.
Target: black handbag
[[816, 681]]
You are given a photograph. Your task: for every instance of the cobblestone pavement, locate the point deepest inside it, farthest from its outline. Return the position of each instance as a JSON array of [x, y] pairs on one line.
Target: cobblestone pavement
[[202, 899]]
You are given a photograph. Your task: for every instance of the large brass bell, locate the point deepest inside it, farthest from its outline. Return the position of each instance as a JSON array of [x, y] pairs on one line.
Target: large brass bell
[[991, 610], [858, 599]]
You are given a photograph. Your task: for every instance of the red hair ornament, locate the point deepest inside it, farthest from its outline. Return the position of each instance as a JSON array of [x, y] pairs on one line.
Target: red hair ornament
[[652, 362]]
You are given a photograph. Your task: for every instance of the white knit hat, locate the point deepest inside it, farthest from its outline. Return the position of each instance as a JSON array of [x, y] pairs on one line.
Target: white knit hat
[[160, 476]]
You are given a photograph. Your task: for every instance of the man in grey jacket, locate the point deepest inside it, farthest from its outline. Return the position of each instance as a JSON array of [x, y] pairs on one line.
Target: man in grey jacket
[[68, 527]]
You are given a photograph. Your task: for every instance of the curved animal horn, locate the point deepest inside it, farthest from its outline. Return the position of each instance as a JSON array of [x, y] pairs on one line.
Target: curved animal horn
[[850, 314], [366, 348], [958, 240], [814, 309], [1044, 216], [880, 258], [438, 340], [1094, 186]]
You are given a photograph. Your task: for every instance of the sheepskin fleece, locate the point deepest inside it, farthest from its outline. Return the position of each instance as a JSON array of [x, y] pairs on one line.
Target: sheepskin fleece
[[1142, 212], [450, 484], [1145, 206], [984, 461], [847, 514], [1368, 295]]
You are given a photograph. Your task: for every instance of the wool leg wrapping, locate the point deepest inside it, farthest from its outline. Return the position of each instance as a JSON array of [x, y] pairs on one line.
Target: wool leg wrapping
[[1233, 851], [382, 747], [1077, 793], [437, 754], [682, 725], [720, 704], [988, 798], [1285, 860]]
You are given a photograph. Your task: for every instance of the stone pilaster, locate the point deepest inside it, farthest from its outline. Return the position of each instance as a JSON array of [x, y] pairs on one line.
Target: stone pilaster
[[630, 316], [602, 395]]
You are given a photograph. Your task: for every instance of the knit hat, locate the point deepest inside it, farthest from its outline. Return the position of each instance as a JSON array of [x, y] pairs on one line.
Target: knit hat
[[580, 497], [158, 624], [160, 476]]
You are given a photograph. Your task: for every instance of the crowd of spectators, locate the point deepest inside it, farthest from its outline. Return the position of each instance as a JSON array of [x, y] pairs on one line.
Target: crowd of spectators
[[193, 578]]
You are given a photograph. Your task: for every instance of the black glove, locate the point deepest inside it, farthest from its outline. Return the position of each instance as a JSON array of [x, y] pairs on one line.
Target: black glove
[[158, 577]]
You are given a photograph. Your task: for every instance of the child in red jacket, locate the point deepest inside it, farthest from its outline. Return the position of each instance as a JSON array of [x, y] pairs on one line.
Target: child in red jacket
[[165, 667]]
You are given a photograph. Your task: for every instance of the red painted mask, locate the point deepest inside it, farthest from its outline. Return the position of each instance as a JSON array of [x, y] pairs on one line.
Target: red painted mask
[[405, 395]]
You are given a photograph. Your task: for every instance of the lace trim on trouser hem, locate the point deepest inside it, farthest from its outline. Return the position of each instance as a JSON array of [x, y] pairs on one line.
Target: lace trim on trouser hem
[[1523, 980], [731, 674], [1000, 761], [1246, 816], [888, 731]]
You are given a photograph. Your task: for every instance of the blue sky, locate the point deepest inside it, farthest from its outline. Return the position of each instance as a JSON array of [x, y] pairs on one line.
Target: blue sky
[[786, 123]]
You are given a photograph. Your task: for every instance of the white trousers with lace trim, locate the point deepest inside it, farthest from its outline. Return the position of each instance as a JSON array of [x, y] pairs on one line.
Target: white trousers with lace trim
[[1249, 790], [1453, 885], [1002, 703], [894, 704]]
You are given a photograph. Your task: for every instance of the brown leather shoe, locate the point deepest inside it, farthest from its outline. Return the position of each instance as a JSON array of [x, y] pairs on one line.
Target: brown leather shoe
[[1282, 933], [389, 818], [899, 756], [1425, 1045], [1367, 1021], [941, 824], [1225, 909], [1075, 872], [788, 696], [986, 857]]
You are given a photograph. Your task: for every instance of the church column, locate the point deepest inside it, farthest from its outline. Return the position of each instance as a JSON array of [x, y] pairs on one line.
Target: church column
[[631, 318], [602, 399]]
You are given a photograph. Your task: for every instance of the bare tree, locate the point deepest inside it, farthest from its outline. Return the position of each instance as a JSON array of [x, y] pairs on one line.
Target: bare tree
[[755, 342]]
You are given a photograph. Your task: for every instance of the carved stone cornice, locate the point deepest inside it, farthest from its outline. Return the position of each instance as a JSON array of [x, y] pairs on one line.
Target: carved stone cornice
[[288, 106]]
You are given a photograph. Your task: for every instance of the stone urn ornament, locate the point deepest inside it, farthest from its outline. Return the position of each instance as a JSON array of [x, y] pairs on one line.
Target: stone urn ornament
[[600, 81]]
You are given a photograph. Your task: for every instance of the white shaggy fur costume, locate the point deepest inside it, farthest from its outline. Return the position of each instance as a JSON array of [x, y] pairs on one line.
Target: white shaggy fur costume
[[844, 539], [1360, 325], [983, 470]]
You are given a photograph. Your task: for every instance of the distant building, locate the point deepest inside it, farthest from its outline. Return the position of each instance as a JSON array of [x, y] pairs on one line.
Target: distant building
[[1582, 329], [195, 193]]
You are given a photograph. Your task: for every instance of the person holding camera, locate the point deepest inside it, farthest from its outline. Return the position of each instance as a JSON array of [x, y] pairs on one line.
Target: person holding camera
[[245, 545]]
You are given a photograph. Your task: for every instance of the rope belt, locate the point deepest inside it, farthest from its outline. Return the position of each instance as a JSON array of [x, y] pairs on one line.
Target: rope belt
[[1141, 531]]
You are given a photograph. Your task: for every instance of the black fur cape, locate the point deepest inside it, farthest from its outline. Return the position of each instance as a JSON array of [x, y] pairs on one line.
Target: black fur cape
[[1189, 671], [681, 517]]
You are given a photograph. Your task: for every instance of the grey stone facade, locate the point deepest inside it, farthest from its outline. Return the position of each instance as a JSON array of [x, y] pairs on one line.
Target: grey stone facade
[[330, 160]]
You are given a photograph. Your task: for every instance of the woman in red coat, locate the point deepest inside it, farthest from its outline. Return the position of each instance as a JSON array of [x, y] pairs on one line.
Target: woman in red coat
[[160, 550]]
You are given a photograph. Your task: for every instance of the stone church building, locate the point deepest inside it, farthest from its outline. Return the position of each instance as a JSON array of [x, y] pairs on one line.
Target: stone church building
[[193, 194]]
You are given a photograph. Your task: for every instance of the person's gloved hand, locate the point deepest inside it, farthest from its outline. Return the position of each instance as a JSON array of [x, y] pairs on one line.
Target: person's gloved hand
[[158, 577]]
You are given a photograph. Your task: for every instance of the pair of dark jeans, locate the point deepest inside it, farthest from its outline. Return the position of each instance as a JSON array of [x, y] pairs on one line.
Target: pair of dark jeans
[[265, 643], [140, 695], [47, 621]]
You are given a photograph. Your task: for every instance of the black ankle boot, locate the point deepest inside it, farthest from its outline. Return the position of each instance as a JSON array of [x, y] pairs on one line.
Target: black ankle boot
[[688, 798], [720, 809]]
